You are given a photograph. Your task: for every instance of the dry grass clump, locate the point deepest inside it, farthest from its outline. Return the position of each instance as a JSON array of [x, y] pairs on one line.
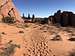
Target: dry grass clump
[[23, 26], [26, 25], [39, 48], [9, 49]]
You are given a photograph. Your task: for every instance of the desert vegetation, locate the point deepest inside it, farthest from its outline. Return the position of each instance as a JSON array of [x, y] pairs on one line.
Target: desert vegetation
[[9, 49], [23, 26], [8, 20]]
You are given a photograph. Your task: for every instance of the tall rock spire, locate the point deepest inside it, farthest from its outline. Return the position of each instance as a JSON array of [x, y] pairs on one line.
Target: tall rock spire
[[8, 9]]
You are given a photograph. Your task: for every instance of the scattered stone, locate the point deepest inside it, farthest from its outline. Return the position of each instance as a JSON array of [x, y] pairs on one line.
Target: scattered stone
[[35, 27], [3, 33], [24, 54], [57, 37], [40, 28], [10, 41], [72, 37], [45, 31], [21, 31]]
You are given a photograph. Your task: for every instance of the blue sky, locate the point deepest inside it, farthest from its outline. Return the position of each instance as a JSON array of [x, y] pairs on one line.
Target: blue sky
[[44, 8]]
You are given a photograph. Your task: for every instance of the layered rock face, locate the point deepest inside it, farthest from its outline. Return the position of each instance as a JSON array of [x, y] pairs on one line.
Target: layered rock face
[[7, 8], [64, 18]]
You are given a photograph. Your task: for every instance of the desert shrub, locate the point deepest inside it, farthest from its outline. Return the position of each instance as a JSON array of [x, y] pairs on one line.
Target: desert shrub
[[8, 19], [9, 49], [23, 26]]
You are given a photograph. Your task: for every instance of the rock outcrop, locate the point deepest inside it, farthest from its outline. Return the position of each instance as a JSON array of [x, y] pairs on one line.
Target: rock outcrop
[[64, 18], [7, 8]]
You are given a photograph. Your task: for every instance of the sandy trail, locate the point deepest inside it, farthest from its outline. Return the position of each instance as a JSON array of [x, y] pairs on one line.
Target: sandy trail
[[37, 33]]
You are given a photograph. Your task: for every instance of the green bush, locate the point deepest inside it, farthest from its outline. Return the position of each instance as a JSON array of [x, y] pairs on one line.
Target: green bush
[[8, 20]]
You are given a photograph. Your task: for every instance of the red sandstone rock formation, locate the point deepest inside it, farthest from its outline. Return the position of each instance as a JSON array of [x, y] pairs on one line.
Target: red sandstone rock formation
[[7, 8]]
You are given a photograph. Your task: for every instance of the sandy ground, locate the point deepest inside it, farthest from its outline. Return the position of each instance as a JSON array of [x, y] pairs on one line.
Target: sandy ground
[[35, 37]]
